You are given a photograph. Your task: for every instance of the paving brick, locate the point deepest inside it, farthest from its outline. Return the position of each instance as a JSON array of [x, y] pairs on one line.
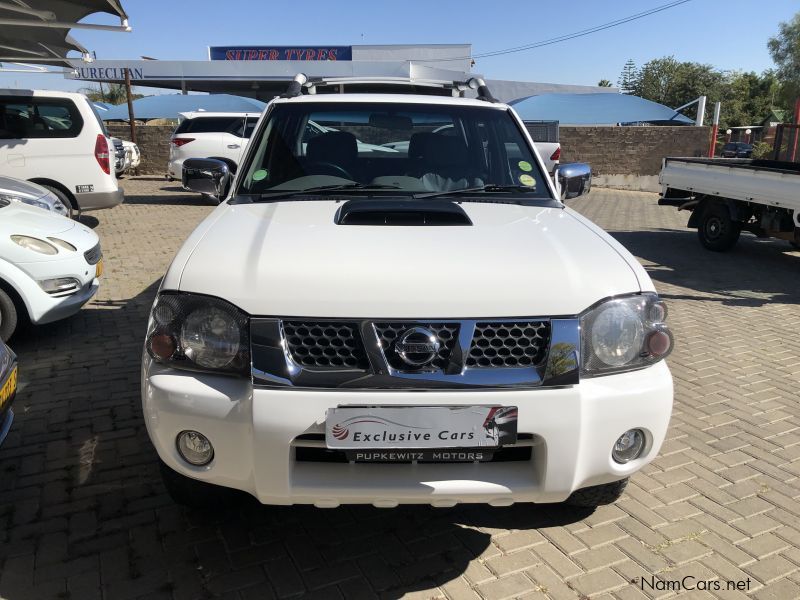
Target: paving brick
[[507, 587], [90, 516]]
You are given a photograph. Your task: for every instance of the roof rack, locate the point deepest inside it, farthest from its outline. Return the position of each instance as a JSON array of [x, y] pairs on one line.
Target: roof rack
[[387, 83]]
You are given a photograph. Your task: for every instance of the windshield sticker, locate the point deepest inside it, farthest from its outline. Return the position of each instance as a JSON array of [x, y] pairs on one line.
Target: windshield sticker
[[527, 180], [260, 174], [524, 165]]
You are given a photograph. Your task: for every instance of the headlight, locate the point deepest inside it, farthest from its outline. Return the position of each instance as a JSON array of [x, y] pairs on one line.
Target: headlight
[[624, 334], [188, 331], [35, 244], [25, 199], [58, 206], [62, 244]]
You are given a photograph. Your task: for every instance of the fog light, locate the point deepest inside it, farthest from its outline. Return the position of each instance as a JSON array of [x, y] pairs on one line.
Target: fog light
[[60, 286], [629, 446], [195, 448]]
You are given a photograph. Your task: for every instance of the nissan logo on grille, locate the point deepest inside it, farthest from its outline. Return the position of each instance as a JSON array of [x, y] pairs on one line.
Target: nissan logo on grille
[[417, 346]]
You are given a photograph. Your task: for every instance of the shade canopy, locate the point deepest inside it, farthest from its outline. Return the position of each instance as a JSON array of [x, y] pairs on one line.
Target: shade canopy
[[168, 106], [596, 109], [37, 31]]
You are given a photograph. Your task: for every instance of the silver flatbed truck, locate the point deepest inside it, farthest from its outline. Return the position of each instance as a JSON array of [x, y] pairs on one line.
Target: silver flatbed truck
[[728, 196]]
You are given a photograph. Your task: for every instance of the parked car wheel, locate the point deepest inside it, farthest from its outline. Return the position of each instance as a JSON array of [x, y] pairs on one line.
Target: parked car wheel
[[717, 231], [194, 493], [64, 200], [597, 495], [8, 316]]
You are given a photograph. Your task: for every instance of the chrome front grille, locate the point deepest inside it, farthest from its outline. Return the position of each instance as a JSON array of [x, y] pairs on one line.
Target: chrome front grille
[[414, 354], [94, 255], [325, 344], [509, 344]]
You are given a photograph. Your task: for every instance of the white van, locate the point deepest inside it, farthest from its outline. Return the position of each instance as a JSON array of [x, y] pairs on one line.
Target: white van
[[56, 139]]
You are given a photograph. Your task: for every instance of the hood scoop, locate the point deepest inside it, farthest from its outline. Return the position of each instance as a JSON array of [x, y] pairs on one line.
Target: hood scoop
[[400, 213]]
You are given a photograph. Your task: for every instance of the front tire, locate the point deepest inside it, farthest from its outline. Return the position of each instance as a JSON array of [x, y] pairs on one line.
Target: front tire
[[192, 492], [8, 316], [717, 231], [597, 495]]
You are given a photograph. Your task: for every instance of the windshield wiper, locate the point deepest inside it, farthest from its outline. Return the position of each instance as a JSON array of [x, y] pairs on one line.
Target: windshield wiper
[[361, 187], [475, 190]]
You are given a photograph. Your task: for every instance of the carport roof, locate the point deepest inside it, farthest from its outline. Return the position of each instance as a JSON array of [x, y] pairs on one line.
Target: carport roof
[[168, 106], [37, 31], [596, 109]]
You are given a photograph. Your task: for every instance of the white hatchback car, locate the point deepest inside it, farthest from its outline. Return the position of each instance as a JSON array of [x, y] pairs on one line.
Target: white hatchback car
[[49, 266], [57, 140], [432, 326]]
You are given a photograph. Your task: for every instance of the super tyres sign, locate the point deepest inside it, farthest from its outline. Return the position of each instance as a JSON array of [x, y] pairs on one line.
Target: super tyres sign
[[332, 53]]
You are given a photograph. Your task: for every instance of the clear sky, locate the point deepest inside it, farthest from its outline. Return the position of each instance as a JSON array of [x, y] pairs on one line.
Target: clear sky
[[729, 34]]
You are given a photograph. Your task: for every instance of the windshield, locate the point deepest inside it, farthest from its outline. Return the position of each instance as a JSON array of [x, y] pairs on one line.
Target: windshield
[[401, 148]]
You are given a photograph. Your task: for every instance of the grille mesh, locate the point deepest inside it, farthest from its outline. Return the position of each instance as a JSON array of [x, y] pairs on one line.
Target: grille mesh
[[325, 344], [509, 344], [93, 256], [389, 332]]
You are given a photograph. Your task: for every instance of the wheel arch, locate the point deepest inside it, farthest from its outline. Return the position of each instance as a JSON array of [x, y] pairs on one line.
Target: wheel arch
[[734, 210], [63, 189], [23, 310]]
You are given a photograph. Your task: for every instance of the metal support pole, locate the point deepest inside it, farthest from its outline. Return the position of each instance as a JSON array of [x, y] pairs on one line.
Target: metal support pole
[[701, 111], [793, 152], [130, 104], [712, 149]]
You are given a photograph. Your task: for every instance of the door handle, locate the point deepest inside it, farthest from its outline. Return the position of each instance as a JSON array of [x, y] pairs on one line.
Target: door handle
[[233, 146]]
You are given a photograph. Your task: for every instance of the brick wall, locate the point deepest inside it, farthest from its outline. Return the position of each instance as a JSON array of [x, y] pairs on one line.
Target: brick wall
[[630, 150], [153, 142], [624, 151]]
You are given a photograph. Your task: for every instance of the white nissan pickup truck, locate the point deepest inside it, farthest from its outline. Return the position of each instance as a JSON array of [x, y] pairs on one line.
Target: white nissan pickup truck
[[428, 326]]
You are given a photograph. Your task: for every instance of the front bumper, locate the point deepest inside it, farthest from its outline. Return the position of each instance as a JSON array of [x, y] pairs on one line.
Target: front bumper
[[44, 308], [98, 200], [253, 430]]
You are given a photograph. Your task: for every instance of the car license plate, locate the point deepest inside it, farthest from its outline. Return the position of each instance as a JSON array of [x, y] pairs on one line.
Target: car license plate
[[98, 270], [420, 427], [9, 388]]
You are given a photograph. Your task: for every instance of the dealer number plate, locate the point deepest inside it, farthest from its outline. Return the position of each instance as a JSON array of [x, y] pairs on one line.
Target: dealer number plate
[[420, 427]]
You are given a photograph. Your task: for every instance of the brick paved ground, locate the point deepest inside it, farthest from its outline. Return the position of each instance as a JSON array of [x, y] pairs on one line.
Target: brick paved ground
[[83, 514]]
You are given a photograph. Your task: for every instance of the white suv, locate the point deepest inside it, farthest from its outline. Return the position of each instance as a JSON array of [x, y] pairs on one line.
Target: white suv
[[432, 326], [219, 135], [56, 139]]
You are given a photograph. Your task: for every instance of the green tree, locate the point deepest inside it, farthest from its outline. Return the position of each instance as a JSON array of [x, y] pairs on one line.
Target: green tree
[[628, 78], [673, 83], [112, 93], [785, 51], [604, 83], [748, 98]]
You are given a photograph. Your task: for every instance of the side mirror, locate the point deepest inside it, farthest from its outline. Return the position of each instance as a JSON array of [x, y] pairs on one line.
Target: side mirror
[[206, 175], [574, 179]]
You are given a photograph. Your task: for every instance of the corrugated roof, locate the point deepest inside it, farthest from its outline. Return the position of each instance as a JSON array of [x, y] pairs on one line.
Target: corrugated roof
[[168, 106], [596, 109]]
